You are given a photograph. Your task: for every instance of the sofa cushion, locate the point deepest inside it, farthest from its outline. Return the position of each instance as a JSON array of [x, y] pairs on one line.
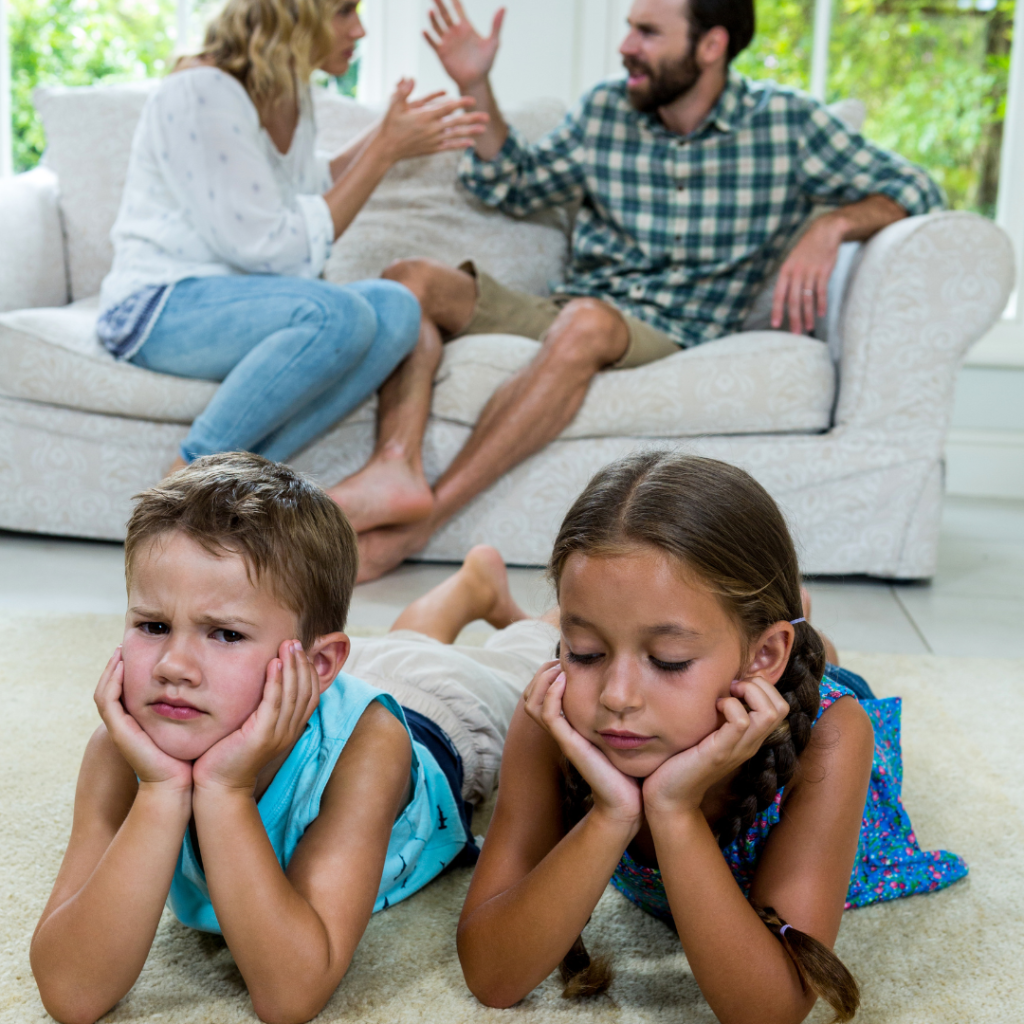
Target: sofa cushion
[[53, 356], [89, 134], [748, 383], [752, 383]]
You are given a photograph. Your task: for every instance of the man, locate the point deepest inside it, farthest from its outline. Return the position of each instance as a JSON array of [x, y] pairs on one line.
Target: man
[[692, 181]]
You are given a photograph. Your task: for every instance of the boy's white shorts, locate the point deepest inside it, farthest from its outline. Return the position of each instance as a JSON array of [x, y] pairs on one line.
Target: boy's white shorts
[[471, 692]]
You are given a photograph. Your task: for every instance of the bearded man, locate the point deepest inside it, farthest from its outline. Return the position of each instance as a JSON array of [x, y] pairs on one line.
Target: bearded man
[[691, 179]]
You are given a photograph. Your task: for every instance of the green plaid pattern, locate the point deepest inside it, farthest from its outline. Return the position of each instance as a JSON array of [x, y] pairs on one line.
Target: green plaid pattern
[[681, 231]]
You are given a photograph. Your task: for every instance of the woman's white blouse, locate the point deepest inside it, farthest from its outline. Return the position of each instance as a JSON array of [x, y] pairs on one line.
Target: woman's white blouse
[[207, 191]]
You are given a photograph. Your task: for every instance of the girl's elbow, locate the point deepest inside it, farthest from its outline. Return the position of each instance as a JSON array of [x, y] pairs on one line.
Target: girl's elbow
[[273, 1011], [71, 1007]]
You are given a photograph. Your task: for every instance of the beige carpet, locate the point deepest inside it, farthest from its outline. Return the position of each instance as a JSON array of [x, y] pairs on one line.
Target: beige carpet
[[950, 957]]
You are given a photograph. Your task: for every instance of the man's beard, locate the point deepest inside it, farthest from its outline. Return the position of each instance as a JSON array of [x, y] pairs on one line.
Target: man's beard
[[663, 85]]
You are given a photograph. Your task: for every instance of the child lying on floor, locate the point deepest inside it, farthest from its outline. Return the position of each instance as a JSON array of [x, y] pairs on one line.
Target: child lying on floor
[[240, 775], [692, 747]]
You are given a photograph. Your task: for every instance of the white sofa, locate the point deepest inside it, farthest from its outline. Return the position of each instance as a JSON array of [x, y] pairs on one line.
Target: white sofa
[[847, 432]]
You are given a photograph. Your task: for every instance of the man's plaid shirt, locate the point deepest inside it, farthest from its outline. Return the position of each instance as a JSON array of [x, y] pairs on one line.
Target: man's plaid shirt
[[681, 231]]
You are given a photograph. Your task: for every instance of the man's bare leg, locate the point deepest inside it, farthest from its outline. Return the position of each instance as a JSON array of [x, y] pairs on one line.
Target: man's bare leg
[[178, 463], [479, 590], [391, 488], [527, 412]]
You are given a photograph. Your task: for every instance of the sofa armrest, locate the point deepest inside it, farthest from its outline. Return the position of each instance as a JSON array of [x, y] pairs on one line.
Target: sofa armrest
[[926, 289], [32, 266]]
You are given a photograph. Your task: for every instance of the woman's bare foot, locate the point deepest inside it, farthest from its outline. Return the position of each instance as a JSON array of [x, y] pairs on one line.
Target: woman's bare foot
[[479, 590], [830, 651], [387, 491], [178, 464]]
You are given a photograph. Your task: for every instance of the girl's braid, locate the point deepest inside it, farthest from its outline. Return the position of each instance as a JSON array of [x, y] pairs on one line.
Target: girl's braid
[[771, 768]]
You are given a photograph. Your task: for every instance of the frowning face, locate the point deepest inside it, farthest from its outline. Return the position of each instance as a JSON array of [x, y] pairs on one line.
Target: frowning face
[[198, 637]]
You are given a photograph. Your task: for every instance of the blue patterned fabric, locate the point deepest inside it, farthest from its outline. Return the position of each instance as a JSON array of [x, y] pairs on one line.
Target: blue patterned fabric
[[681, 231], [889, 863], [124, 328], [427, 836]]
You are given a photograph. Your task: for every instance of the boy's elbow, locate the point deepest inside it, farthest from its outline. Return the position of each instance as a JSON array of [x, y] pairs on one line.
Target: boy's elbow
[[294, 1007]]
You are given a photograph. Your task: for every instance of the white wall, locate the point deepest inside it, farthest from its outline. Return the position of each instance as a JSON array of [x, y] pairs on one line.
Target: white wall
[[549, 47]]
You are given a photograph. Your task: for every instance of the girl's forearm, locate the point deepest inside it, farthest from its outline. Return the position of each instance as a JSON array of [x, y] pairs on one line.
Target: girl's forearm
[[512, 942], [347, 196], [279, 942], [87, 953], [719, 929]]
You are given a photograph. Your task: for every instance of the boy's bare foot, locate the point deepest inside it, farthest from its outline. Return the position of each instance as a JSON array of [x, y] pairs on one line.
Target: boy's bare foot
[[484, 569], [387, 491]]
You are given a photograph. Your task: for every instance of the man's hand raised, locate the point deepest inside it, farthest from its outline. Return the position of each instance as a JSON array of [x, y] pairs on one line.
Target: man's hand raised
[[465, 54]]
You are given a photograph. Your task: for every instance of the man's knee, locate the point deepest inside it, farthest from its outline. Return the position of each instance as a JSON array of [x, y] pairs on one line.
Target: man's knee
[[589, 334], [446, 294]]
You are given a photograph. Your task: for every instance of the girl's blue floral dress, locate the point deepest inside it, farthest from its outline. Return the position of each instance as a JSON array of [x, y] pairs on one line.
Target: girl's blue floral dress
[[889, 863]]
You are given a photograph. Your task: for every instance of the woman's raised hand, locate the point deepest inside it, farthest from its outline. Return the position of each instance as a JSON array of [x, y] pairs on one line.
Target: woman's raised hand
[[616, 795], [752, 713], [429, 125], [290, 696], [145, 758], [465, 54]]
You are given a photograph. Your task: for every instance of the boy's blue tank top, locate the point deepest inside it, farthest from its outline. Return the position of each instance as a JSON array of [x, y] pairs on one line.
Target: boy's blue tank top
[[425, 839]]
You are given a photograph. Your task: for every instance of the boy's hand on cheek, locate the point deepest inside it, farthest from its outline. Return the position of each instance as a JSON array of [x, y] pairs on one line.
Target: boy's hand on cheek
[[290, 695], [616, 795], [146, 759], [682, 781]]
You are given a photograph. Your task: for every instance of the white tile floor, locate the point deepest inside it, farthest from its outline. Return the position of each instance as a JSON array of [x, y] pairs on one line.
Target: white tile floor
[[973, 607]]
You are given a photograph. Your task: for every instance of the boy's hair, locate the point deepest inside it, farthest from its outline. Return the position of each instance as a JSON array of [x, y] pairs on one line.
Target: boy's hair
[[724, 527], [289, 532]]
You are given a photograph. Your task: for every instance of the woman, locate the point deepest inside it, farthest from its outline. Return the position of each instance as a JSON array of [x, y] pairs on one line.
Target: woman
[[227, 220]]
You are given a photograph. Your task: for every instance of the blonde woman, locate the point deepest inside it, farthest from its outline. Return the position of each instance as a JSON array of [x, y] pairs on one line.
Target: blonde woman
[[228, 217]]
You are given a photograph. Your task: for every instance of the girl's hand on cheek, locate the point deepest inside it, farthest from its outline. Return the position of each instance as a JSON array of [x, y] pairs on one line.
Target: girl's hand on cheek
[[616, 795], [146, 759], [681, 782], [290, 696]]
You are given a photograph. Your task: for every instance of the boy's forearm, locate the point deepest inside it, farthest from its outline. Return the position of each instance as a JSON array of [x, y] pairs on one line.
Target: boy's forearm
[[511, 943], [718, 928], [279, 942], [87, 953]]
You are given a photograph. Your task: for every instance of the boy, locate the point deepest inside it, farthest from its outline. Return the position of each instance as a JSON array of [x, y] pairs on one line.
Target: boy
[[239, 772]]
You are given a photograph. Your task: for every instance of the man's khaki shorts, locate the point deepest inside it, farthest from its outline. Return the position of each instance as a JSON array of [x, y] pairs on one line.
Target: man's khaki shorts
[[500, 310]]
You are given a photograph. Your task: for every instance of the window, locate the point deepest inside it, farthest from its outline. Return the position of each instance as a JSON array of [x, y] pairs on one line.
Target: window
[[933, 75], [79, 42]]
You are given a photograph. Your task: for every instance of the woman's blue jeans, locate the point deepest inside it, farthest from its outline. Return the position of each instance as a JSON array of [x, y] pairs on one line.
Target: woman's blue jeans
[[294, 355]]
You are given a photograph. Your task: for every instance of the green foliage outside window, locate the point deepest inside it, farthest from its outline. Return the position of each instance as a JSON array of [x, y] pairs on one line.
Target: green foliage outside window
[[79, 42], [932, 74]]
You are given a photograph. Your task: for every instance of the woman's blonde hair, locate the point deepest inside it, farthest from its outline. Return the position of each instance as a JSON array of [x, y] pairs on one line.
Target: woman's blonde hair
[[270, 45]]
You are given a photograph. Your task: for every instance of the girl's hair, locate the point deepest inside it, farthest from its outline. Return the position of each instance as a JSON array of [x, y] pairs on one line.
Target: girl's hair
[[270, 45], [725, 528]]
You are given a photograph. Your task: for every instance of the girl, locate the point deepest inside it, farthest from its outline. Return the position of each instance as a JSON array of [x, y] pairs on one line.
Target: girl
[[228, 217], [691, 746]]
